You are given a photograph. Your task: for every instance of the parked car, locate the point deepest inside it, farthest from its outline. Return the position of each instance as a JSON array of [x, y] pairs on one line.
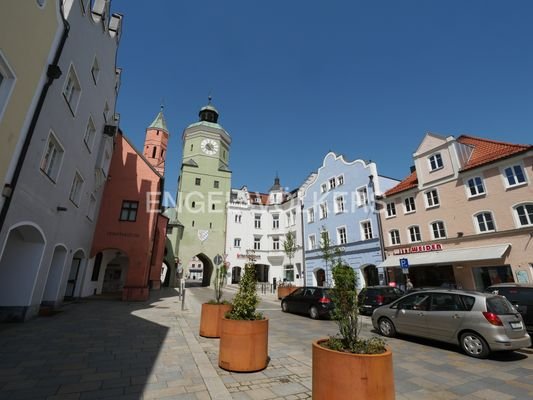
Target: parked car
[[312, 300], [480, 323], [373, 297], [520, 296]]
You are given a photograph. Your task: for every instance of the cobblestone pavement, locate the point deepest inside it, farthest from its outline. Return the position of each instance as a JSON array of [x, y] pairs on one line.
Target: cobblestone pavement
[[103, 349]]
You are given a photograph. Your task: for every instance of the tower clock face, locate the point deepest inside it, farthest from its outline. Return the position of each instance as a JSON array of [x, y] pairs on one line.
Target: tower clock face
[[209, 146]]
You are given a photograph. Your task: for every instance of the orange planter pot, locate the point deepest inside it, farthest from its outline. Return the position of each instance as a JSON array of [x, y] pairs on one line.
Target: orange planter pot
[[338, 375], [243, 345], [285, 291], [211, 318]]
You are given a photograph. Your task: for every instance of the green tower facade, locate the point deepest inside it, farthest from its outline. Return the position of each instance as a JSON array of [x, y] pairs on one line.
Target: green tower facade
[[203, 192]]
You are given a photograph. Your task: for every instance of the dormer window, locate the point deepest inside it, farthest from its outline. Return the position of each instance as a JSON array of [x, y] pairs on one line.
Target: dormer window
[[323, 188], [332, 183], [435, 162]]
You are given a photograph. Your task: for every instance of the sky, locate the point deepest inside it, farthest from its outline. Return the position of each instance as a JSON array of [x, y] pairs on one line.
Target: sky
[[295, 79]]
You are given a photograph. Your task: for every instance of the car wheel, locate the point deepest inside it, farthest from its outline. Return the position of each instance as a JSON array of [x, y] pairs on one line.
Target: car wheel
[[386, 327], [474, 345], [284, 306], [313, 313]]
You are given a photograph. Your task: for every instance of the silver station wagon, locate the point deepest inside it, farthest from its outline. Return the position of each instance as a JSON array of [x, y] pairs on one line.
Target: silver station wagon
[[478, 322]]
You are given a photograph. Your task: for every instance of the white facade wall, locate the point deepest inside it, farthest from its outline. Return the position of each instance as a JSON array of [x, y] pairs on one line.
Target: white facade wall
[[44, 200]]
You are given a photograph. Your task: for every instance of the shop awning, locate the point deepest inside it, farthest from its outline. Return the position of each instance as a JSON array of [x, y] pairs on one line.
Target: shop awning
[[449, 256]]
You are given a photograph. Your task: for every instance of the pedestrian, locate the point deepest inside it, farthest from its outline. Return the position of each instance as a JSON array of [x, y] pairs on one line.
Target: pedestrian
[[409, 285]]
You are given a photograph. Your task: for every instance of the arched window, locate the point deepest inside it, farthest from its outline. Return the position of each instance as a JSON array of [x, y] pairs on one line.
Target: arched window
[[394, 237], [414, 234], [484, 222], [524, 214], [438, 230], [154, 151]]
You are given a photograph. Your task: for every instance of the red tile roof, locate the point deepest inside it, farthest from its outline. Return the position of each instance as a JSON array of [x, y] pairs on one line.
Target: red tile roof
[[484, 152]]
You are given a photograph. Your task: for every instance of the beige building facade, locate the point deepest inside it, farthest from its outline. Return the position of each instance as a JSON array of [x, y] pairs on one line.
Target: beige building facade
[[464, 217]]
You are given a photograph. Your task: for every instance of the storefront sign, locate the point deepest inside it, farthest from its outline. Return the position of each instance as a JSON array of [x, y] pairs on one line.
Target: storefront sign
[[240, 255], [418, 249]]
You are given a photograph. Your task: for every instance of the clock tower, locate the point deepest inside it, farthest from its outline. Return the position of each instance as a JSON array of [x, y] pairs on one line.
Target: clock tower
[[203, 192]]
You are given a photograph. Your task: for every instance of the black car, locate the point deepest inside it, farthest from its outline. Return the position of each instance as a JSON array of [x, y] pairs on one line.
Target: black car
[[312, 300], [373, 297], [520, 296]]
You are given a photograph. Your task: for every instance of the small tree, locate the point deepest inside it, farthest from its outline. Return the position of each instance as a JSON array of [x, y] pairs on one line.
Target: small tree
[[328, 253], [289, 246], [246, 299], [220, 281]]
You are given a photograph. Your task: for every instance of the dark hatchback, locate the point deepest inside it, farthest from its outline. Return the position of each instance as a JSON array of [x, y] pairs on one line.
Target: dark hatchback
[[373, 297], [520, 296], [311, 300]]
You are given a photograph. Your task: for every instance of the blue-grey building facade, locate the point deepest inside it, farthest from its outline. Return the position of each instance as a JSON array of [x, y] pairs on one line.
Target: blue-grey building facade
[[340, 200]]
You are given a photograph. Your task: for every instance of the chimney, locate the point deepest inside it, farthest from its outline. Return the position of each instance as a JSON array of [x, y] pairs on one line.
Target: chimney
[[412, 168]]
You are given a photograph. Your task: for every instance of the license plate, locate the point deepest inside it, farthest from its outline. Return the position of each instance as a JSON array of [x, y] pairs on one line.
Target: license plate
[[517, 325]]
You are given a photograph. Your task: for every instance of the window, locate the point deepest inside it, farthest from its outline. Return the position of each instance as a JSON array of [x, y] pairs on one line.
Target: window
[[154, 152], [275, 243], [312, 242], [216, 184], [257, 221], [409, 204], [7, 82], [289, 220], [52, 157], [514, 175], [391, 210], [332, 183], [198, 181], [437, 228], [106, 113], [340, 180], [95, 70], [72, 90], [432, 198], [394, 237], [485, 222], [75, 190], [238, 218], [213, 207], [90, 134], [193, 204], [323, 188], [435, 162], [310, 215], [323, 210], [96, 267], [362, 196], [275, 221], [475, 187], [288, 273], [129, 211], [341, 235], [366, 230], [91, 210], [524, 213], [339, 204], [324, 238], [257, 243], [236, 242], [414, 234]]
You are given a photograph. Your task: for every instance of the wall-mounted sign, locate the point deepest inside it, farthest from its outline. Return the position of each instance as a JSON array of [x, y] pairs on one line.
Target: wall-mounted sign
[[240, 255], [418, 249]]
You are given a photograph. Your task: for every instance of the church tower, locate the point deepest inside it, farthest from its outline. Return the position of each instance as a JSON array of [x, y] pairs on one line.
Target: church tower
[[155, 143], [203, 192]]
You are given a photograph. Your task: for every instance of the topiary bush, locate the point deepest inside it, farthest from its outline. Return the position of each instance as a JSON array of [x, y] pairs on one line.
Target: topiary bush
[[246, 299]]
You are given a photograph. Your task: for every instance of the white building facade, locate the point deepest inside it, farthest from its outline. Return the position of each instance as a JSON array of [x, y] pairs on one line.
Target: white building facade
[[46, 237]]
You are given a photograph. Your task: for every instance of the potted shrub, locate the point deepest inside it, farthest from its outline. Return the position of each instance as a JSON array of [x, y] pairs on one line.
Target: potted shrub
[[244, 333], [285, 288], [347, 366], [214, 310]]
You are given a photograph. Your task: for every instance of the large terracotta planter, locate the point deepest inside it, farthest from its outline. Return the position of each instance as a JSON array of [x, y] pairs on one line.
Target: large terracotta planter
[[243, 345], [338, 375], [285, 291], [211, 318]]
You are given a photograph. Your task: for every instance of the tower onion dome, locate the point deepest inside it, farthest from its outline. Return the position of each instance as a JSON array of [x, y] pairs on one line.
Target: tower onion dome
[[276, 186], [209, 113]]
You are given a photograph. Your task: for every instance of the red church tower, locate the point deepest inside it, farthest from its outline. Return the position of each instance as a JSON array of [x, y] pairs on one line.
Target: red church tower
[[155, 143]]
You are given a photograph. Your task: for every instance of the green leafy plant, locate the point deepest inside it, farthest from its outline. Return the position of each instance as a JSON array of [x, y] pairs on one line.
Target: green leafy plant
[[246, 299], [219, 283], [328, 253], [290, 246]]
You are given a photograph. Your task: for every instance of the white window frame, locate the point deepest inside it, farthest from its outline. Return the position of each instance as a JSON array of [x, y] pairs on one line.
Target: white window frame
[[323, 188], [390, 209], [76, 189], [477, 224], [310, 215], [517, 218], [410, 236], [237, 243], [513, 166], [72, 94], [238, 218], [275, 221], [257, 221], [323, 210], [469, 193], [90, 134], [311, 241], [275, 243], [432, 199], [392, 238], [341, 232], [405, 210], [56, 167], [364, 231], [362, 196], [95, 70], [339, 206], [432, 230], [257, 243], [340, 180], [435, 158], [332, 183], [91, 209], [7, 84]]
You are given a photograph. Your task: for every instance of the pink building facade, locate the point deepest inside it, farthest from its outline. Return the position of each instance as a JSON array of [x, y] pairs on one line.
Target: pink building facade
[[464, 217]]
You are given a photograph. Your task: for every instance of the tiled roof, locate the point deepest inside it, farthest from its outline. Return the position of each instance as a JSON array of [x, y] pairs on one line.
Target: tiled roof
[[485, 151]]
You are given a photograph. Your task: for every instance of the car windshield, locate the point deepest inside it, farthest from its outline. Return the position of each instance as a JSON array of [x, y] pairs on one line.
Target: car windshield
[[499, 305]]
